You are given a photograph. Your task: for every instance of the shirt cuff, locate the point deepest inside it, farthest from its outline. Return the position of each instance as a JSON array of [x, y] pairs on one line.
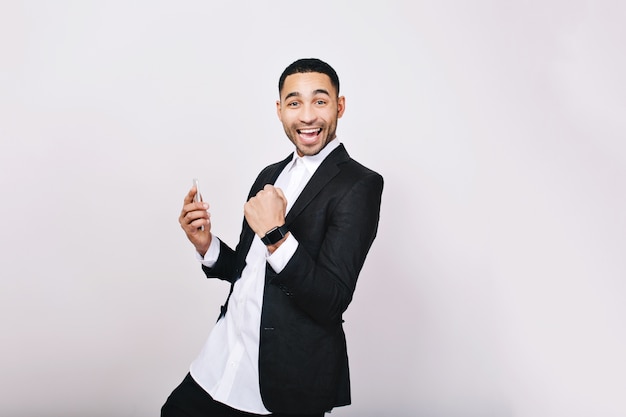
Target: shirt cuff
[[211, 255], [281, 256]]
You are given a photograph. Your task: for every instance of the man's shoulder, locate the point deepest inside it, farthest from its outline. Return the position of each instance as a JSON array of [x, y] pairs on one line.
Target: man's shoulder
[[352, 167], [341, 158], [358, 167], [271, 171]]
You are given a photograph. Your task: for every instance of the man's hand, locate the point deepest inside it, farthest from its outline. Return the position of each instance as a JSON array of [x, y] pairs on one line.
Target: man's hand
[[196, 222], [266, 210]]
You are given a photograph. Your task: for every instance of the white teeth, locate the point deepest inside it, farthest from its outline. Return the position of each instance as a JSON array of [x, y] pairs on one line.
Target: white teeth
[[306, 131]]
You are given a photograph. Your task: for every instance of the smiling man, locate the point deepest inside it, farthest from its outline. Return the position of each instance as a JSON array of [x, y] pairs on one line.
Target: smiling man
[[278, 347], [308, 108]]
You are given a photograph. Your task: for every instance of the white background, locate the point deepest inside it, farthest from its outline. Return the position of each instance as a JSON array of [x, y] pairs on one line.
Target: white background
[[496, 286]]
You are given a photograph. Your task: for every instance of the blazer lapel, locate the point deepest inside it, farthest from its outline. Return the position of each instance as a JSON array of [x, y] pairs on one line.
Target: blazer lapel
[[273, 174], [326, 171]]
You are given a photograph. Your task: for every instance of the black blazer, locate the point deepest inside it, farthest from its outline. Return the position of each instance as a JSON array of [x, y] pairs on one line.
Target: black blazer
[[303, 362]]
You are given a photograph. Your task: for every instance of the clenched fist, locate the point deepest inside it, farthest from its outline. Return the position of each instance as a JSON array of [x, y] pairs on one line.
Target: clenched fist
[[266, 210]]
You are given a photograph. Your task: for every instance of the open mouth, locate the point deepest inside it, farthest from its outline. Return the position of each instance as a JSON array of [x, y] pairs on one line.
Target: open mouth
[[309, 131], [309, 134]]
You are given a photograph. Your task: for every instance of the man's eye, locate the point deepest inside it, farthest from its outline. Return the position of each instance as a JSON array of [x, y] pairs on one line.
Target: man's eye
[[293, 104], [320, 102]]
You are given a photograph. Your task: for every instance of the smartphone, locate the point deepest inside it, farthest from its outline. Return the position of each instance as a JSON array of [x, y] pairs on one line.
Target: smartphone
[[198, 196]]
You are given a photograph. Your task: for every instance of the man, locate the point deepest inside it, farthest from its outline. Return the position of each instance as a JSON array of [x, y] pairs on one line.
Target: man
[[278, 347]]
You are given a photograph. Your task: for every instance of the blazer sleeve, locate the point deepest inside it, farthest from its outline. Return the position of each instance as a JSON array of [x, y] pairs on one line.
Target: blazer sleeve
[[323, 284], [231, 262], [225, 266]]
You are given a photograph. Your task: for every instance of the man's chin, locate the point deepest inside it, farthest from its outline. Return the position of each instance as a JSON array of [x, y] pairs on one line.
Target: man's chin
[[310, 150]]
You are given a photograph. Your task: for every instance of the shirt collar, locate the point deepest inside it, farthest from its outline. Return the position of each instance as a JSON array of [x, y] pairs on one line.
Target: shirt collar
[[313, 162]]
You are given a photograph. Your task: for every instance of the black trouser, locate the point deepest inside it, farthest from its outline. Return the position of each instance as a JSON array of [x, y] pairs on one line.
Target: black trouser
[[190, 400]]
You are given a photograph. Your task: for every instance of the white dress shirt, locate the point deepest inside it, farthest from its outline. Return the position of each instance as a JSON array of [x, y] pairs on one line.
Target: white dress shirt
[[227, 366]]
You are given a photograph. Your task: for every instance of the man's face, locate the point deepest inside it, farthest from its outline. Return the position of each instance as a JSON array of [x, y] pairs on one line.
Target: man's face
[[309, 109]]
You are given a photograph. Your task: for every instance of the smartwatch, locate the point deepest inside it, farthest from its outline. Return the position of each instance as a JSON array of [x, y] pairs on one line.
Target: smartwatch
[[275, 235]]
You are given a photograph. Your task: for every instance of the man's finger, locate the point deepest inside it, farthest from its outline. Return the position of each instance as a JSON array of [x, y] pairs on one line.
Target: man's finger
[[189, 197], [280, 193]]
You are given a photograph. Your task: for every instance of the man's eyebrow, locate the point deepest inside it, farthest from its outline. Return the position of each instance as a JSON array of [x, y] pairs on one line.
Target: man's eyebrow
[[292, 94], [321, 91], [315, 92]]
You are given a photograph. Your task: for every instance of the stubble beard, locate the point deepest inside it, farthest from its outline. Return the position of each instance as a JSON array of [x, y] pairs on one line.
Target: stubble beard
[[292, 134]]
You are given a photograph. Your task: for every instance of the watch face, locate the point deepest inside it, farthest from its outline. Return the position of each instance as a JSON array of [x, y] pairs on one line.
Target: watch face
[[274, 235]]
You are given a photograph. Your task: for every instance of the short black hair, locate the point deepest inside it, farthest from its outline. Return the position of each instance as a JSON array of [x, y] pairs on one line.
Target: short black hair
[[309, 65]]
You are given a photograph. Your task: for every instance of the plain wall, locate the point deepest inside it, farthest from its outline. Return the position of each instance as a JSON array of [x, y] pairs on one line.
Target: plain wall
[[496, 285]]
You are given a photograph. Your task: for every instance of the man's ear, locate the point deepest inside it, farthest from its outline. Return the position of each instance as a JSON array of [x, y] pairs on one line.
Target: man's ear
[[278, 110], [341, 106]]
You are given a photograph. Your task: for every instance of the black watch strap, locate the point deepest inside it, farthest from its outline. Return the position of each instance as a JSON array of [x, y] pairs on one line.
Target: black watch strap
[[275, 235]]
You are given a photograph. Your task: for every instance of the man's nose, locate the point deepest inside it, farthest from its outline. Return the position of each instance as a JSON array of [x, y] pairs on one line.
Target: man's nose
[[307, 115]]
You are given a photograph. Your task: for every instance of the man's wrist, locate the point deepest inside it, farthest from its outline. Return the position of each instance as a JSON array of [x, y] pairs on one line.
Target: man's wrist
[[202, 250], [275, 235], [272, 248]]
